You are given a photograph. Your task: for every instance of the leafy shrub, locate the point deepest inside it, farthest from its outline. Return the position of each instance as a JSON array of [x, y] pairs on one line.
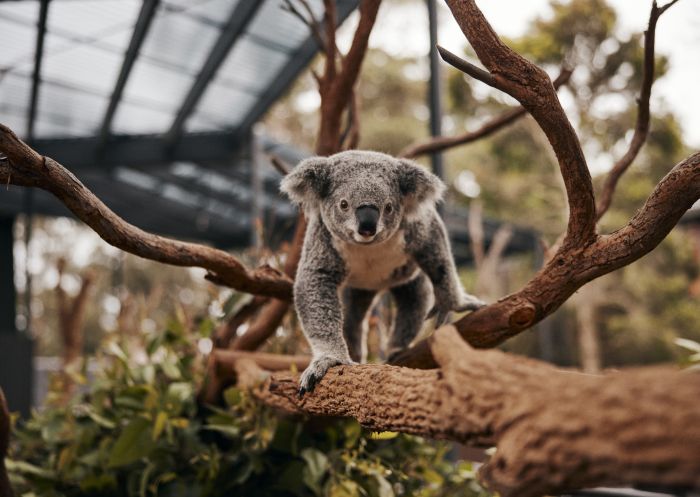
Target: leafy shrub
[[137, 430]]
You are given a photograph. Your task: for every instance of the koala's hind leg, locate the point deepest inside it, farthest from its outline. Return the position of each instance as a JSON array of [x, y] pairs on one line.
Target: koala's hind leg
[[356, 302], [413, 300]]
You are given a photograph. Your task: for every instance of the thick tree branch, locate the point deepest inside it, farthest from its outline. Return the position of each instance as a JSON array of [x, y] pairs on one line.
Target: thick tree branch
[[554, 430], [531, 86], [641, 130], [336, 87], [569, 269], [25, 167], [353, 60], [510, 116], [582, 255]]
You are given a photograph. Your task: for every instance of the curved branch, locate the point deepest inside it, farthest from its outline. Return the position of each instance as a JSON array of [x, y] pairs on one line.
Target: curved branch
[[641, 130], [571, 268], [554, 430], [510, 116], [531, 86], [25, 167]]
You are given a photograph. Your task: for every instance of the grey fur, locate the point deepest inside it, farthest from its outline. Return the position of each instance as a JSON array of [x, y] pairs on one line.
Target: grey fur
[[409, 254]]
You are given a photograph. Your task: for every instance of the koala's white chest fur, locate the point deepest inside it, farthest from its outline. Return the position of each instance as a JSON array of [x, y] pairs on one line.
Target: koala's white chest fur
[[377, 267]]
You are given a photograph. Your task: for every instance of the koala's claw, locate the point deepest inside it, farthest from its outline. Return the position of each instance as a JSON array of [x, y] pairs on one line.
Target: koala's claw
[[316, 371]]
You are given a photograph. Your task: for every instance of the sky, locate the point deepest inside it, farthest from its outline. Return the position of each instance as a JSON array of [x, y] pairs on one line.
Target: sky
[[678, 37]]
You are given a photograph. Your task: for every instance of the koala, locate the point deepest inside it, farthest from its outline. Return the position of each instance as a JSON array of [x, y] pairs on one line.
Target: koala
[[372, 226]]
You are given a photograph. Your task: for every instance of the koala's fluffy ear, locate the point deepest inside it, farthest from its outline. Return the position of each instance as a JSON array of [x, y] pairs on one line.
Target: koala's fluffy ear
[[418, 186], [309, 182]]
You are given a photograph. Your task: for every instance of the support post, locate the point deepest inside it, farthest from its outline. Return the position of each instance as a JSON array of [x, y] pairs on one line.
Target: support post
[[8, 297], [15, 348], [435, 92]]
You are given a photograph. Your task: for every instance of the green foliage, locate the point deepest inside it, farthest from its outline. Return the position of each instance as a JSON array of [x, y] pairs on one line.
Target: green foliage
[[693, 360], [137, 431]]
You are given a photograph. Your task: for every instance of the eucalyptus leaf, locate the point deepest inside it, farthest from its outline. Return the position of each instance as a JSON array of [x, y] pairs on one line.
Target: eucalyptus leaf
[[134, 443], [315, 469]]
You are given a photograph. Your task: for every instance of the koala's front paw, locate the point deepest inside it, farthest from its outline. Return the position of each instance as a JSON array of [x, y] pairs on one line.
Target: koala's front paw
[[317, 370], [444, 307], [469, 303]]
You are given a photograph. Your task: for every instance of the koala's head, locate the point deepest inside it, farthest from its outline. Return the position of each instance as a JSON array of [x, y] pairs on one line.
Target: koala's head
[[362, 196]]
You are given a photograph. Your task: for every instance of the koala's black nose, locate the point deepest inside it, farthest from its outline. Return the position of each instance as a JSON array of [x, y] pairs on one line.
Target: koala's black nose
[[367, 217]]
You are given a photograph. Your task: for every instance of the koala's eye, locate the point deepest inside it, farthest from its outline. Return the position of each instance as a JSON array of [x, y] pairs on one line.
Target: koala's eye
[[388, 208], [344, 204]]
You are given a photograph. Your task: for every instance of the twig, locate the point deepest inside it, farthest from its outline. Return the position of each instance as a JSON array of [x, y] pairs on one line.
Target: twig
[[311, 21], [282, 167], [466, 67], [494, 124], [641, 130]]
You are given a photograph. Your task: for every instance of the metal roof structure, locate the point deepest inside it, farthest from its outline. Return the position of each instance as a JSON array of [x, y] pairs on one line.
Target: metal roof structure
[[151, 104]]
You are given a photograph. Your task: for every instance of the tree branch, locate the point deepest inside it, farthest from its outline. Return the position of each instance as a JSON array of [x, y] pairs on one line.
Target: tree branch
[[582, 255], [311, 21], [467, 67], [531, 86], [571, 268], [554, 430], [641, 130], [227, 331], [510, 116], [25, 167]]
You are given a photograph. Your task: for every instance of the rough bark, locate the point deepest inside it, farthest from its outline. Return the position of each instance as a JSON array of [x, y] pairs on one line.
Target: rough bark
[[5, 488], [25, 167], [554, 430]]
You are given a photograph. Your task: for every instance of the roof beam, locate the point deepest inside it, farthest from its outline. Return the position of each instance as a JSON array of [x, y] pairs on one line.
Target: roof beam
[[297, 62], [36, 75], [232, 30], [143, 23], [135, 150]]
